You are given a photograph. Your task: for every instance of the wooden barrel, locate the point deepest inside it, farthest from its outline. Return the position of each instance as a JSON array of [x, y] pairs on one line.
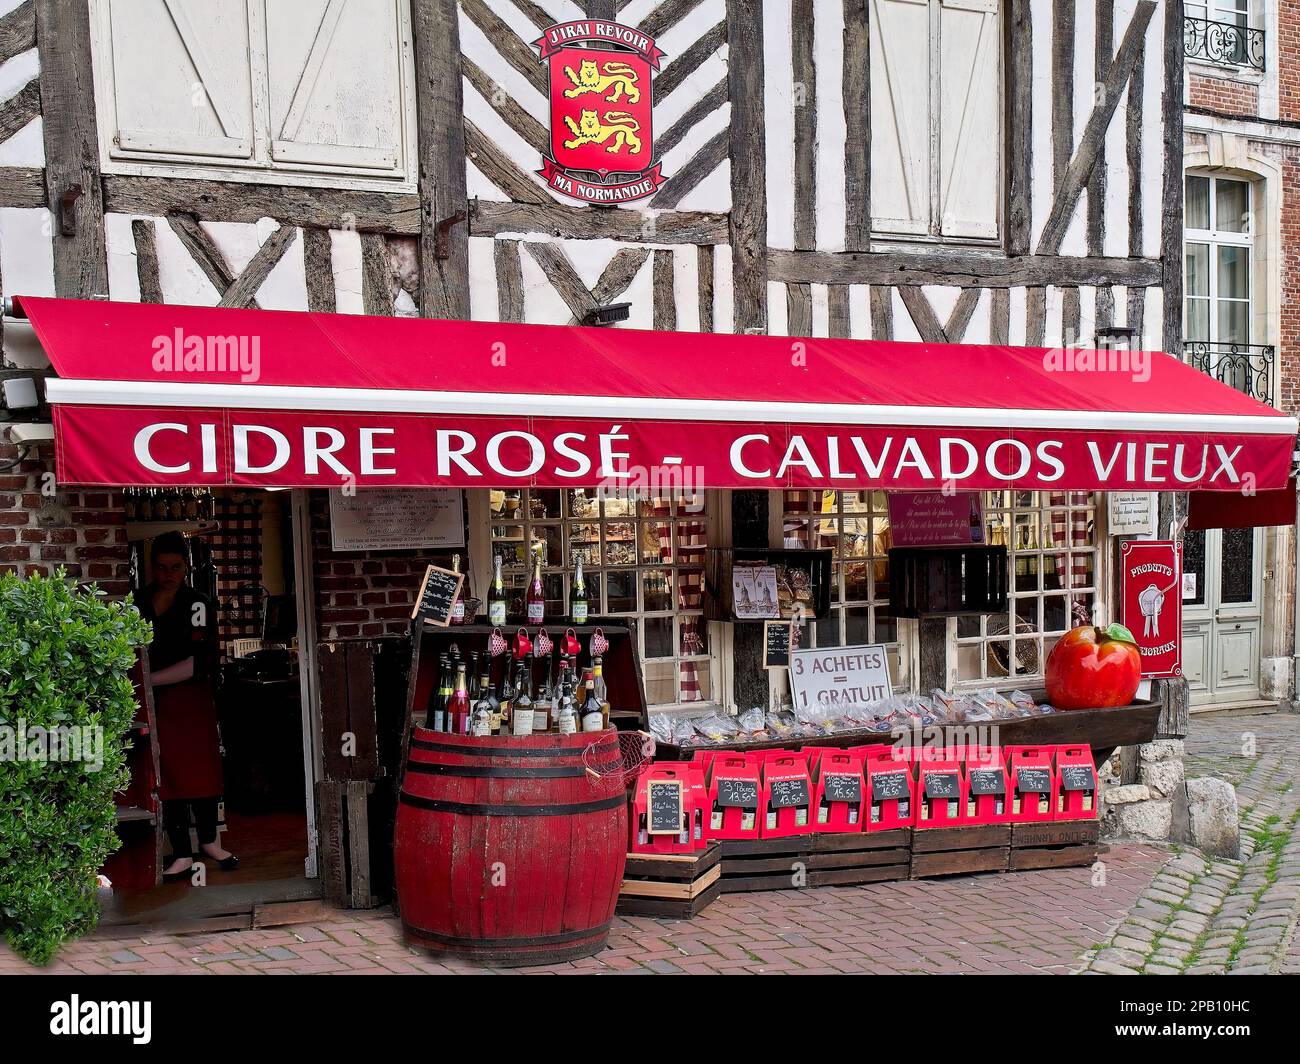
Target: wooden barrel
[[506, 851]]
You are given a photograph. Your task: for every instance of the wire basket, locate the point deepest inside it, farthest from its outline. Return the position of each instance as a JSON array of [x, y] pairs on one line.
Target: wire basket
[[636, 751], [999, 661]]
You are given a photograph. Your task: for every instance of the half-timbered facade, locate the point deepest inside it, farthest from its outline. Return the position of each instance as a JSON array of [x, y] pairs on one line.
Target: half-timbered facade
[[961, 171]]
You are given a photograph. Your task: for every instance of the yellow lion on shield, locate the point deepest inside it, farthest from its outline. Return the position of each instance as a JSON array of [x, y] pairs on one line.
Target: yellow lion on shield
[[590, 78], [596, 129]]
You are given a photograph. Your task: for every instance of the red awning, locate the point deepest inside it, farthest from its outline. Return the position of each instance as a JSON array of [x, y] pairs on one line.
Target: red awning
[[1262, 509], [152, 394]]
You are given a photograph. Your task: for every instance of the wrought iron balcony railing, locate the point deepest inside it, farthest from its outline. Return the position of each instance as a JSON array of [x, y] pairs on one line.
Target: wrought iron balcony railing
[[1223, 42], [1246, 367]]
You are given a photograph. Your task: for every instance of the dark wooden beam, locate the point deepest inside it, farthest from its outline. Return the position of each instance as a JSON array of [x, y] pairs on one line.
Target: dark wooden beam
[[798, 309], [444, 240], [620, 272], [954, 329], [494, 164], [21, 108], [240, 201], [882, 312], [1063, 33], [962, 269], [71, 148], [1133, 147], [857, 125], [18, 31], [1000, 316], [204, 251], [676, 71], [22, 186], [838, 321], [664, 291], [1171, 217], [376, 276], [518, 119], [1103, 56], [699, 110], [563, 277], [1035, 316], [666, 16], [1092, 141], [702, 163], [704, 285], [514, 51], [241, 293], [1018, 46], [748, 217], [922, 314], [488, 218], [510, 280], [804, 84], [318, 268], [146, 260]]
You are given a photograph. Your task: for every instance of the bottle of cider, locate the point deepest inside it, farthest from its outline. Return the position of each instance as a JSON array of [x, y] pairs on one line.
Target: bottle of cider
[[435, 718], [459, 709], [522, 713], [602, 692], [536, 593], [458, 607], [592, 718], [482, 721], [578, 595], [566, 720], [497, 600]]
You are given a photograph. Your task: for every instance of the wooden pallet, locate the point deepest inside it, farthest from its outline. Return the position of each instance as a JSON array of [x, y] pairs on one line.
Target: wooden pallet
[[823, 860], [1058, 844], [960, 851], [677, 886]]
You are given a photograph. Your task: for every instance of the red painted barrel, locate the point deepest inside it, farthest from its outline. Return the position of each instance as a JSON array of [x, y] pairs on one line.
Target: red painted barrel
[[507, 851]]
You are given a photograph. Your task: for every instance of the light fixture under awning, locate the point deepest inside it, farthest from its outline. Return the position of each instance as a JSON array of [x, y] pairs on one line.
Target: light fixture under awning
[[155, 394]]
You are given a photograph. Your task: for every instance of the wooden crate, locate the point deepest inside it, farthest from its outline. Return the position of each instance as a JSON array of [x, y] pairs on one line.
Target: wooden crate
[[676, 885], [823, 860], [1057, 844], [960, 851]]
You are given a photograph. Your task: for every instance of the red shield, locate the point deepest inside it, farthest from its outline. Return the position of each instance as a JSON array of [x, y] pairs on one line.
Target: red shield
[[600, 111]]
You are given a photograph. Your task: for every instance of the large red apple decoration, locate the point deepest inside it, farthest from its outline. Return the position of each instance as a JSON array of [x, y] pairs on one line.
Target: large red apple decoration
[[1093, 667]]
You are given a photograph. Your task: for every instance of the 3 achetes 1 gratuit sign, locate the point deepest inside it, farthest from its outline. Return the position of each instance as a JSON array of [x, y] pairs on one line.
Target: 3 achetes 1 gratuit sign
[[837, 679]]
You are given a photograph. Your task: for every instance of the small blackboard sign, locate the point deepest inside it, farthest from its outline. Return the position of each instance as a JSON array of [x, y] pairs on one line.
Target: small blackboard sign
[[664, 802], [841, 787], [942, 785], [1034, 781], [988, 781], [1078, 778], [788, 794], [738, 794], [776, 645], [885, 786], [437, 595]]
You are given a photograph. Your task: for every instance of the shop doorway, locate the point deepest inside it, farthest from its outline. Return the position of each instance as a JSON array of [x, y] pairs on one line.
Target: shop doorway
[[242, 559], [1222, 614]]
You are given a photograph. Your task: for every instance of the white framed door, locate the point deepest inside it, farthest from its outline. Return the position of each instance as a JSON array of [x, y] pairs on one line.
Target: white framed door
[[1222, 620]]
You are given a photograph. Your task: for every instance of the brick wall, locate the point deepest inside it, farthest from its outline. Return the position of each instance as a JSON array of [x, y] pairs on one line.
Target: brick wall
[[83, 529], [1283, 55], [1288, 338], [1222, 95], [363, 593]]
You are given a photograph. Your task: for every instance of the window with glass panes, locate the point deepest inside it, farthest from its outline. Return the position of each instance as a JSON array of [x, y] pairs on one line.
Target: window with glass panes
[[1217, 246], [1053, 561], [855, 526], [642, 559]]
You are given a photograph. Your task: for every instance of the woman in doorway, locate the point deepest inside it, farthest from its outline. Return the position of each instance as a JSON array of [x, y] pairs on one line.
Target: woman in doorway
[[182, 657]]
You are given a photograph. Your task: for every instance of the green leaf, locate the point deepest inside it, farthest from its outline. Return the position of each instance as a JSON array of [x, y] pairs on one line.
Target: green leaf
[[1119, 632]]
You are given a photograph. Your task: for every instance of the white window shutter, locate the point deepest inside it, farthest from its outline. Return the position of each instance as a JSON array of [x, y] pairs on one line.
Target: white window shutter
[[970, 118], [175, 90], [335, 73], [900, 116]]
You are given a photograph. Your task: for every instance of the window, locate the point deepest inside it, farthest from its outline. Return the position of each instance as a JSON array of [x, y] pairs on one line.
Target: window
[[643, 560], [1217, 233], [1218, 31], [936, 117], [1052, 540], [855, 526], [257, 89]]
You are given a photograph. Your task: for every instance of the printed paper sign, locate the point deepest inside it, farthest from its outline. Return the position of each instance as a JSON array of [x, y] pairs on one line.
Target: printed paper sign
[[832, 681], [933, 519]]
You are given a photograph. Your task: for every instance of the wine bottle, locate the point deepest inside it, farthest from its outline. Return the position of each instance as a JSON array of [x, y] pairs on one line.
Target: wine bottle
[[474, 689], [542, 704], [459, 708], [536, 594], [481, 721], [578, 595], [522, 713], [566, 720], [591, 715], [558, 690], [502, 710], [497, 600], [458, 606], [602, 691], [435, 717]]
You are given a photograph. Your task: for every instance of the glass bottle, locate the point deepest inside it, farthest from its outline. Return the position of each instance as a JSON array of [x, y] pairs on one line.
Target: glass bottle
[[497, 600], [591, 716], [458, 607], [459, 707], [566, 720], [435, 717], [602, 691], [578, 595], [536, 594], [522, 713]]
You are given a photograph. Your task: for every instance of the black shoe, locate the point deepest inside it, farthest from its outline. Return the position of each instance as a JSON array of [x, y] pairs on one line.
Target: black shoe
[[176, 877], [229, 864]]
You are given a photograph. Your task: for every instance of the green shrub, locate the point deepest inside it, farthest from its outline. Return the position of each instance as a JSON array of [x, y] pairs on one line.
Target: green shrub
[[65, 656]]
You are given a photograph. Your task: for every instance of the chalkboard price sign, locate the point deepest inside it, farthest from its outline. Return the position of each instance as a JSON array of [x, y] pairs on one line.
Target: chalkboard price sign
[[841, 787], [738, 794], [942, 785], [437, 595], [885, 786], [789, 794], [987, 781], [1034, 781], [776, 645], [1078, 778], [664, 801]]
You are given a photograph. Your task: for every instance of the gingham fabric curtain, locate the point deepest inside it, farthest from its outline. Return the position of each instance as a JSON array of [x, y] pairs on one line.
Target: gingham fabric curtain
[[1076, 535]]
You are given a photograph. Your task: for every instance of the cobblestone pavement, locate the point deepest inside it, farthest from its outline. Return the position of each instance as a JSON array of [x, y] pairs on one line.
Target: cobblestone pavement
[[1155, 910], [1205, 915]]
